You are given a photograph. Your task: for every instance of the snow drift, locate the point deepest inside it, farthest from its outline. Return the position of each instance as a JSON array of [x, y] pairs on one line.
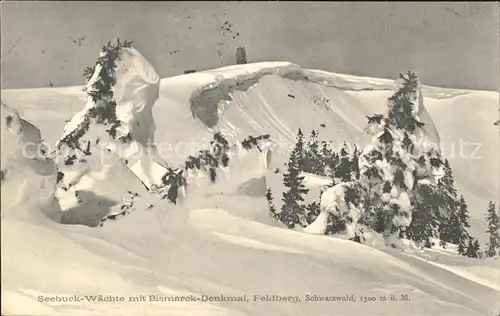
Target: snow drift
[[99, 164], [28, 177], [134, 92]]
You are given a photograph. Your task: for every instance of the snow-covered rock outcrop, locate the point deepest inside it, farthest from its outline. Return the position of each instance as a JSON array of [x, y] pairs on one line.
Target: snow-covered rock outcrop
[[28, 177]]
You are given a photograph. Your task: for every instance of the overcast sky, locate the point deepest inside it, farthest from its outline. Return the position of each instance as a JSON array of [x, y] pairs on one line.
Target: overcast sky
[[447, 44]]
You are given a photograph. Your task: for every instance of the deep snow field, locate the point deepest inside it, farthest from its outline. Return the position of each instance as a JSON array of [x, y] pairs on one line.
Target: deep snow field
[[220, 239]]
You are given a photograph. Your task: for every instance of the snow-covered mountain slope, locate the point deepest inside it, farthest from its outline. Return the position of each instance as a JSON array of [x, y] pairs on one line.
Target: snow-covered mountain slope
[[277, 98], [220, 240], [179, 251]]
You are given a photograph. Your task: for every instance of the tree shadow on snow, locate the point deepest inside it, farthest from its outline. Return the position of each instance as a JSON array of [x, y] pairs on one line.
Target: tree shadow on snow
[[89, 211]]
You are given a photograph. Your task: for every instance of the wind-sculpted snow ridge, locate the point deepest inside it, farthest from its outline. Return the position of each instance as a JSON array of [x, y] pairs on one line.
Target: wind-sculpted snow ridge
[[123, 110], [359, 83], [219, 173], [232, 101], [205, 101], [28, 177], [112, 139], [277, 99], [107, 149], [256, 93]]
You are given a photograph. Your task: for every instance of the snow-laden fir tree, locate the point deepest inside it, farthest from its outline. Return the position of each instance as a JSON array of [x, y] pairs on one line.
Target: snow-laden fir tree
[[462, 248], [293, 211], [215, 156], [313, 159], [477, 248], [335, 224], [272, 208], [398, 175], [345, 170], [437, 212], [469, 250], [399, 163], [300, 150], [463, 222], [493, 220], [354, 162], [330, 160], [454, 214], [450, 228], [174, 179], [425, 217], [313, 210], [100, 81], [473, 248]]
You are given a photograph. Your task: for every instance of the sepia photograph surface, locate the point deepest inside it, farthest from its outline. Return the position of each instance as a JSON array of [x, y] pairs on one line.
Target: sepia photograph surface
[[247, 158]]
